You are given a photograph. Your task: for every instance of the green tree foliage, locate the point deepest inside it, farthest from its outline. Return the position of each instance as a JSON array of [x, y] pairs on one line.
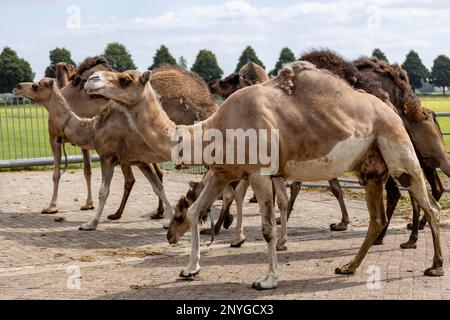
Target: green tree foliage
[[13, 70], [377, 53], [440, 74], [206, 66], [58, 55], [247, 55], [118, 57], [417, 72], [286, 56], [182, 62], [162, 57]]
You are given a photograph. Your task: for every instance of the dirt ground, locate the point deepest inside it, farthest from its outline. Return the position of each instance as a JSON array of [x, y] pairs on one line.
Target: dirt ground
[[46, 257]]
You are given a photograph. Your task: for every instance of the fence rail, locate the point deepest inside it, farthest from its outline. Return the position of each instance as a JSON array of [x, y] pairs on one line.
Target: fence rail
[[24, 139]]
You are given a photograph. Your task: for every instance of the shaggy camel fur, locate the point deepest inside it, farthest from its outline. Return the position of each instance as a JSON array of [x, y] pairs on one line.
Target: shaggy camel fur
[[325, 128], [109, 133], [423, 128], [64, 73]]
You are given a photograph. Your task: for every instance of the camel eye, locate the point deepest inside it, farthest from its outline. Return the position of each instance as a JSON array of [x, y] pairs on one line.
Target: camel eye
[[124, 81]]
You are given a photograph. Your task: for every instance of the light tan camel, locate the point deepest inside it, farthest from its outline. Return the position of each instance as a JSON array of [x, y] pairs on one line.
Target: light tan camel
[[326, 128], [64, 73]]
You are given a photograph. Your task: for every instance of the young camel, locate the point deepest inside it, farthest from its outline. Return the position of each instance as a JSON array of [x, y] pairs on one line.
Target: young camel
[[325, 128], [109, 133], [252, 74]]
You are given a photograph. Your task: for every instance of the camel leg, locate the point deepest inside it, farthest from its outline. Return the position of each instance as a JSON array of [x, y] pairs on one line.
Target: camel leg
[[295, 189], [87, 175], [107, 167], [262, 186], [282, 201], [158, 188], [337, 192], [159, 214], [56, 150], [412, 242], [378, 220], [239, 195], [212, 190], [404, 167], [128, 185], [393, 195], [227, 200]]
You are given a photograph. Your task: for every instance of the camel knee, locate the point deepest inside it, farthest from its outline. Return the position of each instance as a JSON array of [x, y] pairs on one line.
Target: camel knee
[[56, 175], [103, 195], [268, 233]]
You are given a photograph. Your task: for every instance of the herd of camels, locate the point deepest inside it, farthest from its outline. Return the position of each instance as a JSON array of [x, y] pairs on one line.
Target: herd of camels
[[333, 116]]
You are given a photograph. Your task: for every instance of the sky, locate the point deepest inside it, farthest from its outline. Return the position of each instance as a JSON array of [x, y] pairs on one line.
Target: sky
[[352, 28]]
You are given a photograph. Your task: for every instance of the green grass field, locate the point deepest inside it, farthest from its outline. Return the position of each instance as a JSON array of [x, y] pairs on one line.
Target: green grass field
[[23, 129]]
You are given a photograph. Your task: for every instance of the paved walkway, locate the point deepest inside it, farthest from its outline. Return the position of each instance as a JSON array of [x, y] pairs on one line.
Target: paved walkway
[[130, 259]]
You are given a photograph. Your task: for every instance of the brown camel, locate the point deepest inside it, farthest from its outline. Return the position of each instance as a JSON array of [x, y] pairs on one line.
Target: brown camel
[[423, 128], [320, 128], [64, 73], [252, 74], [191, 103]]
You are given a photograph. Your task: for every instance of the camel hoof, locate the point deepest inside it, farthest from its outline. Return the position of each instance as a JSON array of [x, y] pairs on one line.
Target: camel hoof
[[238, 243], [344, 270], [278, 221], [115, 216], [267, 283], [409, 226], [409, 245], [282, 246], [338, 227], [189, 274], [157, 216], [50, 210], [378, 242], [87, 207], [88, 227], [228, 221], [208, 232], [434, 272]]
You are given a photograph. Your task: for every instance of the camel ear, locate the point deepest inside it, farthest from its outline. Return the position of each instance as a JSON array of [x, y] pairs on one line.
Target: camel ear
[[146, 77], [48, 83], [52, 66]]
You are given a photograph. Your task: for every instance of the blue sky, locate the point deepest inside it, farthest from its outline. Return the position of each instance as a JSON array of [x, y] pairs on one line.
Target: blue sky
[[352, 27]]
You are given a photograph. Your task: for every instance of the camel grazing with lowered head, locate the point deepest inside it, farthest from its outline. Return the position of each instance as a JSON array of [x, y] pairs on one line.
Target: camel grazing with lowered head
[[64, 73], [193, 103], [320, 127], [252, 74]]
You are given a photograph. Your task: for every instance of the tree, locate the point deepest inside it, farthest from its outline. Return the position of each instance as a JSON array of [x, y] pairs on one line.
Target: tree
[[377, 53], [182, 62], [161, 57], [417, 72], [206, 66], [286, 56], [118, 57], [13, 70], [58, 55], [247, 55], [440, 74]]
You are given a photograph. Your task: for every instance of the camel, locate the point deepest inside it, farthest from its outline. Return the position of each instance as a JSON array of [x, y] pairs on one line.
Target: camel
[[320, 127], [252, 74], [423, 128], [196, 104], [234, 191], [64, 73]]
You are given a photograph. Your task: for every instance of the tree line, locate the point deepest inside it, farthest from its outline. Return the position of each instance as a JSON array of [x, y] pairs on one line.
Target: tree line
[[14, 69]]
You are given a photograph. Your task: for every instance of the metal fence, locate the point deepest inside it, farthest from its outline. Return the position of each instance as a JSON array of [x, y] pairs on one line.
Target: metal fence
[[24, 139]]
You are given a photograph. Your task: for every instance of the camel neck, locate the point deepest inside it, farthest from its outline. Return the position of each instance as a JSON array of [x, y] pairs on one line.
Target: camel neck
[[77, 130]]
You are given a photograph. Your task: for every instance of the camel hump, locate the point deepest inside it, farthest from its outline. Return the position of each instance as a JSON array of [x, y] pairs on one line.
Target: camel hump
[[254, 73], [286, 76]]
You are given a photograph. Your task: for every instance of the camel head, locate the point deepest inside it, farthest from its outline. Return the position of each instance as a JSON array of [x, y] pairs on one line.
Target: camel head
[[127, 88], [180, 222], [36, 91], [226, 87], [64, 72]]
